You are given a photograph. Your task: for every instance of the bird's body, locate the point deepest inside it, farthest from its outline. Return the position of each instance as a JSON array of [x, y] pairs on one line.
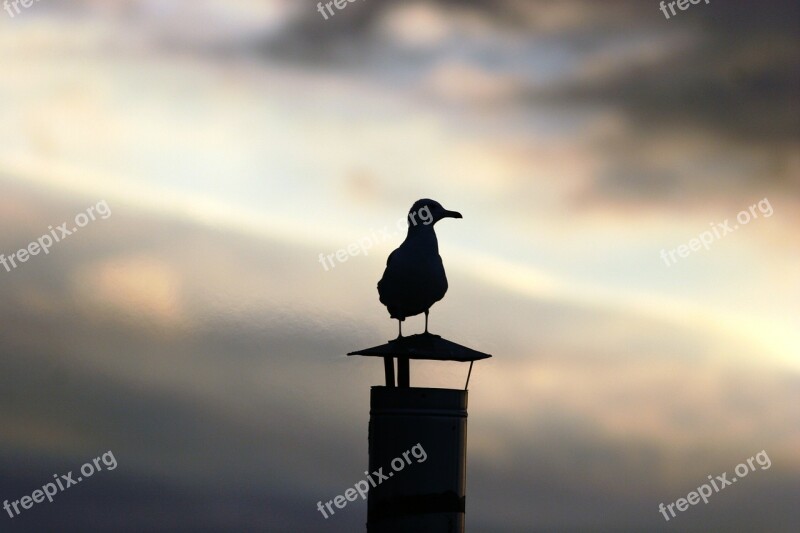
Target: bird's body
[[414, 278]]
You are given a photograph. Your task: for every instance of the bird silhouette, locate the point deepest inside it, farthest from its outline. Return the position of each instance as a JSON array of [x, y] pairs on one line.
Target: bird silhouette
[[414, 278]]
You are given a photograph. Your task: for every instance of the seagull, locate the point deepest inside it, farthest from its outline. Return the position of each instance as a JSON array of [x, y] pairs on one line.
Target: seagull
[[414, 278]]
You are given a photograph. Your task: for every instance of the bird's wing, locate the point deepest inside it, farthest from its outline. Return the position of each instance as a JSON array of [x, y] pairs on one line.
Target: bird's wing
[[388, 260], [382, 282]]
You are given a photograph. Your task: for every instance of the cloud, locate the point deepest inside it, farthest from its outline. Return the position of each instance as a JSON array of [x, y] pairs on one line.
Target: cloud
[[260, 361], [726, 75], [196, 335]]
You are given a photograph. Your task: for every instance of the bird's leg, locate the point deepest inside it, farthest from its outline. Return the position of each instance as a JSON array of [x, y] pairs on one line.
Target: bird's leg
[[399, 329], [426, 320]]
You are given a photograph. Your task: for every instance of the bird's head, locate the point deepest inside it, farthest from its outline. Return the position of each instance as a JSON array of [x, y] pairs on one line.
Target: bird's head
[[427, 212]]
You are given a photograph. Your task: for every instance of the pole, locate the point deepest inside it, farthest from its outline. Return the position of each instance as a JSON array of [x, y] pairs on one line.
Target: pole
[[417, 495], [403, 372], [388, 370]]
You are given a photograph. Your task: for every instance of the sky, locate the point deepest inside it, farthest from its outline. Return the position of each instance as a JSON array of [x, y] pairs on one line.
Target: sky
[[195, 332]]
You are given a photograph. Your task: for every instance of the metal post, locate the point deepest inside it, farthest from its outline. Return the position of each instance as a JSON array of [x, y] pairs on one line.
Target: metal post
[[388, 370], [403, 372], [426, 496]]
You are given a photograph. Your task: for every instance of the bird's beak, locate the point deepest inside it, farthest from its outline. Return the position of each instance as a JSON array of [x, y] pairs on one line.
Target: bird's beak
[[451, 214]]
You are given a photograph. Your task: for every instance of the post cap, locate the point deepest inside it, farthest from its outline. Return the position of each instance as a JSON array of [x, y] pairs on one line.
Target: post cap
[[424, 346]]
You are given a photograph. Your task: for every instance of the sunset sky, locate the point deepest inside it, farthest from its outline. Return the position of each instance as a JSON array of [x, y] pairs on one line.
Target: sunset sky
[[196, 334]]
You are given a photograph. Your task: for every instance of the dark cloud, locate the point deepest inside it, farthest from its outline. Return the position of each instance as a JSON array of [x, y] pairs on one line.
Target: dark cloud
[[727, 73], [733, 75], [244, 418]]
